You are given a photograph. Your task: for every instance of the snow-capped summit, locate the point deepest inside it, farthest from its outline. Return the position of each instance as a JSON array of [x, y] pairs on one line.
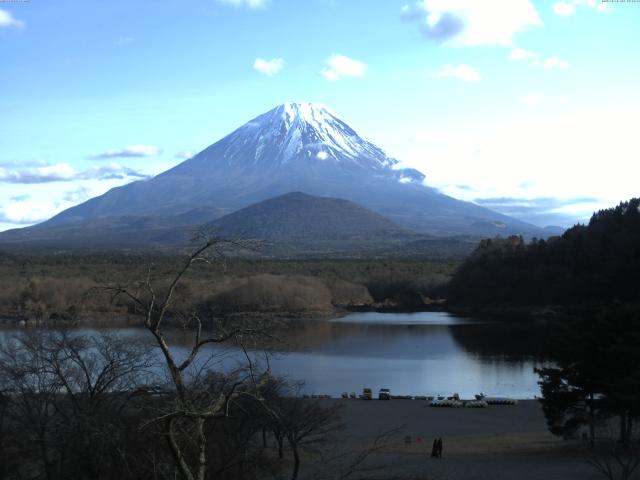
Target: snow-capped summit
[[298, 133], [295, 147]]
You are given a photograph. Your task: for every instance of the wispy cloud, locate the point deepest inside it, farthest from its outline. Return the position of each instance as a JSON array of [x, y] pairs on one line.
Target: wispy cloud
[[19, 198], [555, 62], [184, 155], [535, 60], [127, 152], [268, 67], [339, 66], [543, 211], [472, 23], [521, 54], [78, 195], [63, 172], [564, 9], [567, 8], [246, 3], [7, 20], [461, 72]]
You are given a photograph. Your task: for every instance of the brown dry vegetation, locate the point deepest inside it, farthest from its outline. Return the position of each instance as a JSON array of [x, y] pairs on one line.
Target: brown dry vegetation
[[44, 288]]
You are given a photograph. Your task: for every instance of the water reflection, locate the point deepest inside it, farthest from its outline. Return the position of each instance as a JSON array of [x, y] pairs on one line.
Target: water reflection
[[424, 353]]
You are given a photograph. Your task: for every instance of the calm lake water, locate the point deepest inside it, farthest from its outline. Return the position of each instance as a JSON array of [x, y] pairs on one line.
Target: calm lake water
[[426, 353]]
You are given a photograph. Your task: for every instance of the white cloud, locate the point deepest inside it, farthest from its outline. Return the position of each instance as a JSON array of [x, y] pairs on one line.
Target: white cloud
[[268, 67], [555, 62], [564, 9], [28, 212], [461, 72], [7, 20], [472, 23], [339, 66], [63, 172], [130, 151], [521, 54], [246, 3], [184, 155], [518, 54], [567, 8], [59, 186], [556, 152]]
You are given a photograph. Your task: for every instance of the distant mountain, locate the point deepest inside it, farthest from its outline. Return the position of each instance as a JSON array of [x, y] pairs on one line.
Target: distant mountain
[[293, 225], [300, 225], [298, 216], [292, 148]]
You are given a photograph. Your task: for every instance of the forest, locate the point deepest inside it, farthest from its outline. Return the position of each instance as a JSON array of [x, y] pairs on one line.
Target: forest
[[591, 264]]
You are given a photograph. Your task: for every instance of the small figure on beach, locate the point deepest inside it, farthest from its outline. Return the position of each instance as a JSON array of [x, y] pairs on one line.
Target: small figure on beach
[[434, 449], [439, 448]]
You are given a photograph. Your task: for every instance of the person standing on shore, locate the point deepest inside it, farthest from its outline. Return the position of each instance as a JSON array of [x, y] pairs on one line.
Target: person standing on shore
[[434, 449], [439, 448]]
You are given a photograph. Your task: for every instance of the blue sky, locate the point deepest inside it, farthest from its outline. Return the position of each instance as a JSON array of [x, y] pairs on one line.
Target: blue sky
[[528, 107]]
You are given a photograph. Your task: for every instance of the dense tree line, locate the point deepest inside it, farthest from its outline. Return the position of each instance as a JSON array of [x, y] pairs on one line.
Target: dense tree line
[[594, 263], [596, 375]]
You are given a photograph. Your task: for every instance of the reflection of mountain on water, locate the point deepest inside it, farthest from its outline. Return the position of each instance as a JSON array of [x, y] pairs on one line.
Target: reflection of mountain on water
[[333, 357], [510, 341], [414, 342], [401, 336]]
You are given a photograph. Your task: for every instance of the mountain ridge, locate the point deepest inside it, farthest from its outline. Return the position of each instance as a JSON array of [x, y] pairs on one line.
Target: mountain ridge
[[294, 148]]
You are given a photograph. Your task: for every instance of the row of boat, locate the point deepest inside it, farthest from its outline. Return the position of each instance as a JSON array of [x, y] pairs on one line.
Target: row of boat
[[454, 401]]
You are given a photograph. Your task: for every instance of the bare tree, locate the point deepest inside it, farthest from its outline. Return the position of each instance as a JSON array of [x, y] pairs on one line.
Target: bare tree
[[616, 461], [190, 409], [66, 394], [33, 392]]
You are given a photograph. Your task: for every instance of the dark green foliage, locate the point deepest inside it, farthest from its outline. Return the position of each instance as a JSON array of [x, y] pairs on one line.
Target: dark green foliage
[[597, 372], [596, 263]]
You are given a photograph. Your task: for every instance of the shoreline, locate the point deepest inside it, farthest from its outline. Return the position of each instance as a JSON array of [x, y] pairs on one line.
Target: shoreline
[[479, 443]]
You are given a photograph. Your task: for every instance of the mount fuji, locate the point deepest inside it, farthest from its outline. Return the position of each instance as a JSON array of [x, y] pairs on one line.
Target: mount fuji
[[296, 147]]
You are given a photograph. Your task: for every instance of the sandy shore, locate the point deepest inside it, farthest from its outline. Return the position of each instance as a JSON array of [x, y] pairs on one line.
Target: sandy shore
[[498, 442]]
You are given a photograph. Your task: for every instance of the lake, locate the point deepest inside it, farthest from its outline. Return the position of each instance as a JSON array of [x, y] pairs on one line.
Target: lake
[[424, 353]]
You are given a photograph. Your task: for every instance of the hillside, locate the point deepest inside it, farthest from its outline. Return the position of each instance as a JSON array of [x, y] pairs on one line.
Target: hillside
[[296, 147], [294, 225], [300, 216]]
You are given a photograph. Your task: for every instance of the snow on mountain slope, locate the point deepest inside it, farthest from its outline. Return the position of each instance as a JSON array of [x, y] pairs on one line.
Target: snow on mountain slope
[[295, 134], [297, 147]]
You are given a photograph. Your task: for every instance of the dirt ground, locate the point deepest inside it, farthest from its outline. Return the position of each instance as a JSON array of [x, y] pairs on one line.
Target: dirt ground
[[498, 442]]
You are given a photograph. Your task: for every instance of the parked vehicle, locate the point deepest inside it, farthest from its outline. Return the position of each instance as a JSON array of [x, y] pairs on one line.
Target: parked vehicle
[[384, 394], [367, 394]]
